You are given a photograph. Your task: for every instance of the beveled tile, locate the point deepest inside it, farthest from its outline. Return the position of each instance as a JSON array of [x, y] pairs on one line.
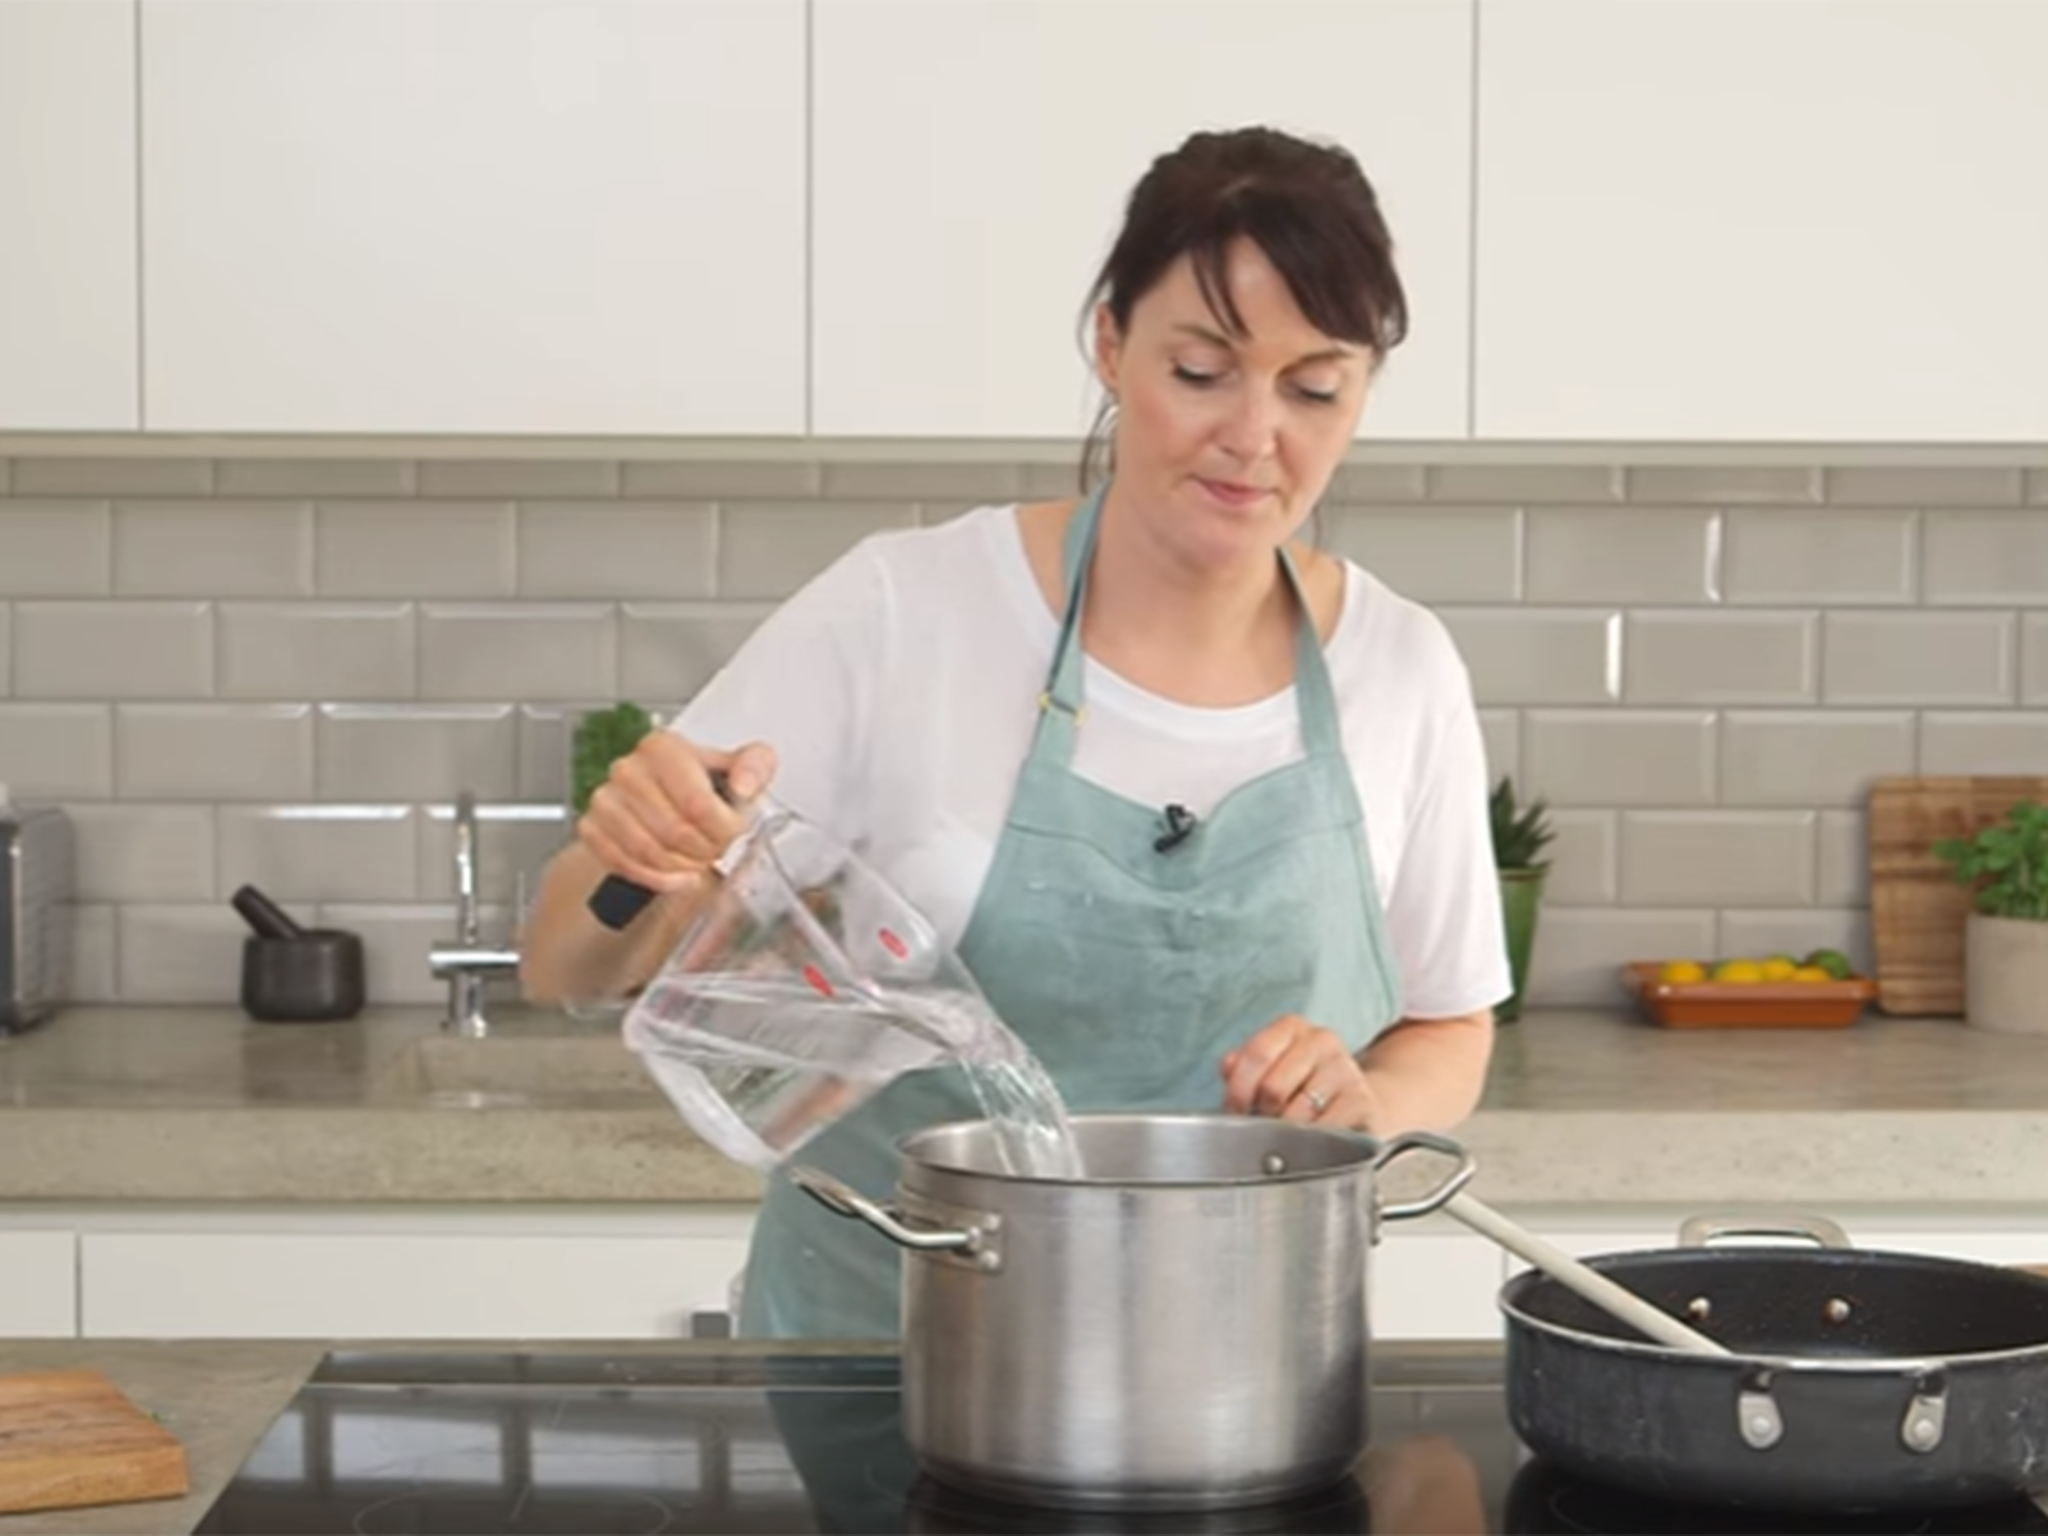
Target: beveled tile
[[670, 650], [213, 549], [1714, 656], [1986, 557], [6, 650], [442, 549], [769, 550], [518, 477], [1580, 951], [138, 649], [113, 477], [416, 752], [1918, 658], [516, 652], [1621, 555], [93, 975], [184, 952], [316, 477], [1583, 860], [966, 482], [1723, 484], [319, 852], [2034, 658], [143, 852], [514, 842], [2001, 741], [1719, 858], [615, 550], [1434, 554], [1844, 859], [1616, 758], [1923, 485], [1526, 484], [213, 751], [1787, 555], [1502, 729], [1811, 758], [318, 650], [396, 939], [56, 549], [1371, 482], [57, 751], [712, 479], [2037, 486], [1539, 656], [1798, 931]]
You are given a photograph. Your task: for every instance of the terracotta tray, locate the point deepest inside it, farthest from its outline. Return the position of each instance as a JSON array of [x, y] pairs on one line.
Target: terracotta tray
[[1750, 1004]]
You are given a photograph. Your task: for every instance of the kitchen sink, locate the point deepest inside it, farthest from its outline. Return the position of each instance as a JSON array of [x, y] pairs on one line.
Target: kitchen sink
[[519, 1068]]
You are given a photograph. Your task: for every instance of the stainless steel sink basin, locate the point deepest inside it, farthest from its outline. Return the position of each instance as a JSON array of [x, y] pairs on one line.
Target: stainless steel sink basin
[[530, 1069]]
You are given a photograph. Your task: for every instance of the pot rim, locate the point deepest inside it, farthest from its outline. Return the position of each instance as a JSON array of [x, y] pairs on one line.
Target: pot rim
[[1365, 1147], [1810, 1365]]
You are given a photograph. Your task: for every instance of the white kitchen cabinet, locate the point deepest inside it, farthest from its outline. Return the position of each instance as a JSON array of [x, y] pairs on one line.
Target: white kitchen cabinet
[[1434, 1279], [38, 1285], [526, 216], [67, 203], [1700, 220], [971, 162], [351, 1280]]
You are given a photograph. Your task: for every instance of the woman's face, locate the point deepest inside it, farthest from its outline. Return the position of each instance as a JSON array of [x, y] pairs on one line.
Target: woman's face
[[1224, 446]]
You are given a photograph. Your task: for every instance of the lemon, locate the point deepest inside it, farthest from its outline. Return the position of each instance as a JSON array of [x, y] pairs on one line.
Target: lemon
[[1739, 971], [1680, 973], [1779, 968], [1812, 973]]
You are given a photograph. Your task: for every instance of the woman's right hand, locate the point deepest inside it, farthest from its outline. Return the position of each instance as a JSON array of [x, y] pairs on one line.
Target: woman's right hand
[[657, 819]]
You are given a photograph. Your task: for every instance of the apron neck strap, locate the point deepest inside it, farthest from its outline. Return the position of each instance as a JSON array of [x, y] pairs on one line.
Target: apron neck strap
[[1062, 704]]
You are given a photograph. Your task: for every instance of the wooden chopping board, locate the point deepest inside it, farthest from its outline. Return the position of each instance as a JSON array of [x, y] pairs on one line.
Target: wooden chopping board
[[1916, 908], [72, 1438]]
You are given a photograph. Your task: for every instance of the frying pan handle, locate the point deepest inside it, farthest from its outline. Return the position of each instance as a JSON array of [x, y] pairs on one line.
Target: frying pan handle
[[1703, 1231]]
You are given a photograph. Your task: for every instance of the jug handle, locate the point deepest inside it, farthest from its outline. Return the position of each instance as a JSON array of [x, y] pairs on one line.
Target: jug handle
[[617, 900], [842, 1198], [1454, 1181]]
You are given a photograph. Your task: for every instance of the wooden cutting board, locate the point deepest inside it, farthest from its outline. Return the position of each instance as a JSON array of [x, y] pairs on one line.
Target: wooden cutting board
[[1916, 908], [72, 1438]]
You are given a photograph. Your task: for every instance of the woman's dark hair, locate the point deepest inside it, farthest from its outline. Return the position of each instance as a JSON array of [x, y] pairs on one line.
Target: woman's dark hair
[[1308, 206]]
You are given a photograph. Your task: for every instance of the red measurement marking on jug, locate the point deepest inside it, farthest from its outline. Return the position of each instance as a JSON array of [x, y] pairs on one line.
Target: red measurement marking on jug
[[817, 980], [894, 945]]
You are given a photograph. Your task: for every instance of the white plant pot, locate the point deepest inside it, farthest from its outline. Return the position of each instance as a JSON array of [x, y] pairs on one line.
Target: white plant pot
[[2005, 974]]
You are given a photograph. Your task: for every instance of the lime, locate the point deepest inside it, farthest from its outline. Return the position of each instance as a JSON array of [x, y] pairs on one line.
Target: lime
[[1833, 961]]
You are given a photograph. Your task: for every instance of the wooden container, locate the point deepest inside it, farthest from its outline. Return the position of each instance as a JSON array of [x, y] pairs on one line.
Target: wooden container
[[1748, 1004]]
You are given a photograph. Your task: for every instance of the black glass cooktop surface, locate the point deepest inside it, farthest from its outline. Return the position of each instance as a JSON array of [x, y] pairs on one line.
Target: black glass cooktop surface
[[430, 1444]]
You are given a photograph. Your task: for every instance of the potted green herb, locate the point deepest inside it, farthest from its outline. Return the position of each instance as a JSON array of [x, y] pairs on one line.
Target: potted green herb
[[602, 737], [1520, 834], [2005, 937]]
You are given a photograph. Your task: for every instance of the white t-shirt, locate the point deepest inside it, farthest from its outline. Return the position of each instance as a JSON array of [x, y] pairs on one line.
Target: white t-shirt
[[899, 689]]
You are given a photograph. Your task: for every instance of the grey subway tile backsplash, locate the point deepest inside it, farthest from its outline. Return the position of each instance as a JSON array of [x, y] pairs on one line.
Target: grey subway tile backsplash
[[213, 752], [56, 549], [1621, 555], [1785, 555], [285, 667], [213, 549], [144, 649]]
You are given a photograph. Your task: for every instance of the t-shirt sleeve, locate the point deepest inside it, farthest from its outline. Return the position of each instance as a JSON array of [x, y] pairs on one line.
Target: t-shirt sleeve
[[1444, 912], [803, 682]]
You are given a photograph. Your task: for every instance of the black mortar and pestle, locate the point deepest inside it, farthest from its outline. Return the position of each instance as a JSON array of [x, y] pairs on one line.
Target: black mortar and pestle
[[292, 974]]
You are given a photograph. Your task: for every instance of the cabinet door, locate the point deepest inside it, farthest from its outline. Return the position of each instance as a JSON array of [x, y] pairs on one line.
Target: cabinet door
[[516, 217], [38, 1285], [68, 291], [401, 1285], [972, 161], [1701, 220], [1435, 1280]]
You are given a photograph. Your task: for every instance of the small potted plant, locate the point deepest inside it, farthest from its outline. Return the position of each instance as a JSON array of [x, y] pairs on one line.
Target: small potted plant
[[1520, 834], [2005, 937], [602, 737]]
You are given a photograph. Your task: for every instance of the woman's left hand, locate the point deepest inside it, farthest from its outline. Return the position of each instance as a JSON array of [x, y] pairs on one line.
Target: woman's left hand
[[1294, 1070]]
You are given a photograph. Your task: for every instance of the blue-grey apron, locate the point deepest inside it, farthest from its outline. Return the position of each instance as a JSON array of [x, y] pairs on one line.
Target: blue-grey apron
[[1127, 971]]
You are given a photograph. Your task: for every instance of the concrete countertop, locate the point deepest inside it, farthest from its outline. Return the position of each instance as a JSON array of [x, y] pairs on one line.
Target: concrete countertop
[[1584, 1107]]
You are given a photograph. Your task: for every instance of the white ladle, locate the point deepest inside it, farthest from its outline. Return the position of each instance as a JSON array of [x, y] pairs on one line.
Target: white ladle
[[1587, 1281]]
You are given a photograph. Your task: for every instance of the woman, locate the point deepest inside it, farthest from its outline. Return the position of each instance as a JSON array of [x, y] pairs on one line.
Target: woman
[[1203, 807]]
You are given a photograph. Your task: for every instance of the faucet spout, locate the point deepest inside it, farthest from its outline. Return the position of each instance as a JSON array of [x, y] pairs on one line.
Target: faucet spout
[[467, 962]]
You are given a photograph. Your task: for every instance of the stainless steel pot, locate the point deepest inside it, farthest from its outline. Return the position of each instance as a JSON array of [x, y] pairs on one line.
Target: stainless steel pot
[[1185, 1328]]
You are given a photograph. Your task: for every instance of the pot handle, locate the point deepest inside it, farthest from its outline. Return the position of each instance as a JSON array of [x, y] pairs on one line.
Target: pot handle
[[1437, 1198], [1702, 1231], [972, 1242]]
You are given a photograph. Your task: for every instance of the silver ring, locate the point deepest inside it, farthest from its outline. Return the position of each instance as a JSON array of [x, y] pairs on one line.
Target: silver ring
[[1316, 1101]]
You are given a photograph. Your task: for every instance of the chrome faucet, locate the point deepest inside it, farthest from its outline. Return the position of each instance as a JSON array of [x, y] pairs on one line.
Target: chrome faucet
[[467, 963]]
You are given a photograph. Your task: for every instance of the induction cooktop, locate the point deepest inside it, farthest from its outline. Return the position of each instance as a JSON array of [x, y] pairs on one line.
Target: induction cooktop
[[735, 1442]]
